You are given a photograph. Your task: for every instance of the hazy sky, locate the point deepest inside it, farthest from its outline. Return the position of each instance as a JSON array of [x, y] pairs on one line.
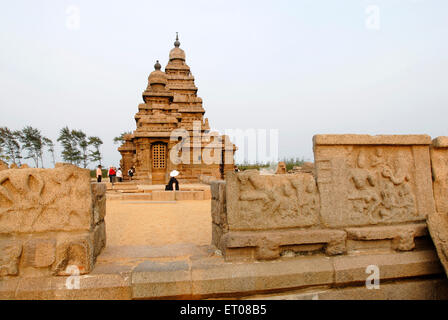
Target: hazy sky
[[302, 67]]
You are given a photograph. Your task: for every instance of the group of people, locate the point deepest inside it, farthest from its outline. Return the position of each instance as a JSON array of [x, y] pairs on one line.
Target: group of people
[[113, 173], [117, 174]]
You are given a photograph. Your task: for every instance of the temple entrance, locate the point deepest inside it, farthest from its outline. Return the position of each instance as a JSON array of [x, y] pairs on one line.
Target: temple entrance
[[158, 163]]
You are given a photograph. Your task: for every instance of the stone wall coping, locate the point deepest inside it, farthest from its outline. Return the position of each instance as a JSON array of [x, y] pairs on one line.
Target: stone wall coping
[[440, 142], [365, 139]]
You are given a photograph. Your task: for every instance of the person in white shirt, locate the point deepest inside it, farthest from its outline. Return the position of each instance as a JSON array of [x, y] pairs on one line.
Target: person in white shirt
[[99, 174], [120, 175]]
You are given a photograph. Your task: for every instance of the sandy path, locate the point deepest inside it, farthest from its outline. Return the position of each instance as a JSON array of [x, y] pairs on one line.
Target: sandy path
[[158, 224]]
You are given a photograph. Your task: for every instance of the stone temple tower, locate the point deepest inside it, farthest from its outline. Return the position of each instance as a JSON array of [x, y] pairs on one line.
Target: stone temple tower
[[172, 132]]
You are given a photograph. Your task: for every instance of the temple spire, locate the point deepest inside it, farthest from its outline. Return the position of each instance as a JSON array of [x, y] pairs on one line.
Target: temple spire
[[157, 66], [177, 43]]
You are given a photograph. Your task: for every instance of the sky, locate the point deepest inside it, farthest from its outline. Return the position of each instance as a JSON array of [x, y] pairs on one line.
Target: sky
[[301, 67]]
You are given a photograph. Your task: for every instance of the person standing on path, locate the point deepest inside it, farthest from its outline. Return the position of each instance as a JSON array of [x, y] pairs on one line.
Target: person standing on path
[[112, 174], [99, 174], [120, 175]]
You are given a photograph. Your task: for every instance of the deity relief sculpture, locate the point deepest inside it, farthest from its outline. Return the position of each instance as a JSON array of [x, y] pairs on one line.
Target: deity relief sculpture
[[277, 200], [380, 188]]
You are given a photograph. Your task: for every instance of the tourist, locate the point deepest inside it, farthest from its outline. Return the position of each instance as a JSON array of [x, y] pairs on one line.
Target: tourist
[[173, 180], [99, 173], [236, 168], [130, 173], [120, 175], [112, 173]]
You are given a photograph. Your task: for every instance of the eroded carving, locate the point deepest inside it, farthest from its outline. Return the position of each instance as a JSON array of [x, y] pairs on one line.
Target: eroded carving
[[273, 201], [36, 200], [380, 187]]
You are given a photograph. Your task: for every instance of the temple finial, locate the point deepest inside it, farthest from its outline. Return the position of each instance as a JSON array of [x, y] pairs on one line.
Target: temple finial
[[177, 43], [157, 66]]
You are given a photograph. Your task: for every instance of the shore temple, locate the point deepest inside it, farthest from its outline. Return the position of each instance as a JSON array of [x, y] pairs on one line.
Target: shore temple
[[171, 122]]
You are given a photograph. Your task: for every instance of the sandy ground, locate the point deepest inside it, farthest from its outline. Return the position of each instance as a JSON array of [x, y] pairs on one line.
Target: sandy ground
[[136, 223]]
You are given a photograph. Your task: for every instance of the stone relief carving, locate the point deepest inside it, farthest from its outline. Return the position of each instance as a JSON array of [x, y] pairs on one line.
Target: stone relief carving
[[380, 187], [276, 201], [35, 200]]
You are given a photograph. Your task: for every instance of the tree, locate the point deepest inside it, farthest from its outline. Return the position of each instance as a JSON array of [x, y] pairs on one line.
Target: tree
[[33, 142], [81, 140], [2, 147], [95, 155], [50, 145], [70, 152], [10, 145], [120, 138]]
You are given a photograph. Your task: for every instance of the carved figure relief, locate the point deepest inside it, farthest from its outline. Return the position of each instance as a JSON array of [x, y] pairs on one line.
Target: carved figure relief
[[34, 200], [277, 201], [380, 187]]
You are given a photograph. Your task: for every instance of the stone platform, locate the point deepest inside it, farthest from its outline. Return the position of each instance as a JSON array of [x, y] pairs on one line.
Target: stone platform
[[184, 271], [129, 191]]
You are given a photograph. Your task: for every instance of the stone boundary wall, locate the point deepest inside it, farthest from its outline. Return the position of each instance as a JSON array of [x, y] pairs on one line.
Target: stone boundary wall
[[366, 192], [50, 219]]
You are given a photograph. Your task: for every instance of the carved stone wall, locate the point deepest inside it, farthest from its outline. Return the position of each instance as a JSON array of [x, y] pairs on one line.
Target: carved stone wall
[[438, 222], [366, 180], [365, 191], [50, 219]]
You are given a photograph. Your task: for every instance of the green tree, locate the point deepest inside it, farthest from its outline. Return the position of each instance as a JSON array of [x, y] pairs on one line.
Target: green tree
[[10, 145], [2, 147], [70, 152], [120, 138], [81, 140], [50, 145], [32, 142], [95, 155]]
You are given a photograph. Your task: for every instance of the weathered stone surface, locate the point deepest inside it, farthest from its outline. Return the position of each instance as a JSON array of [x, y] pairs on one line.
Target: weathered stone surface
[[268, 243], [281, 168], [153, 279], [352, 269], [99, 238], [98, 201], [438, 220], [365, 180], [263, 202], [189, 195], [39, 253], [403, 235], [40, 200], [163, 196], [213, 278], [436, 289], [3, 165], [10, 251], [365, 139], [76, 251]]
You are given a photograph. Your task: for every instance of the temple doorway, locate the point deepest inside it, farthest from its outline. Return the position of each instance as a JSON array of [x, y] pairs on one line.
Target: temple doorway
[[159, 163]]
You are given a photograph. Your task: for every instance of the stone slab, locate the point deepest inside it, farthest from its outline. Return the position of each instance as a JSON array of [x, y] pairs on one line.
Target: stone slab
[[152, 279], [382, 181], [163, 195], [352, 269]]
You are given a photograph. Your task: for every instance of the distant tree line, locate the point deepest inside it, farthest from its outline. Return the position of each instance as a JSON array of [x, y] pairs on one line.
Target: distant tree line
[[29, 143]]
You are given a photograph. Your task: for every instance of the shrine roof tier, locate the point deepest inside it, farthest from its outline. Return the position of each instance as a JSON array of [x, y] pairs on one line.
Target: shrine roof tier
[[152, 105]]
